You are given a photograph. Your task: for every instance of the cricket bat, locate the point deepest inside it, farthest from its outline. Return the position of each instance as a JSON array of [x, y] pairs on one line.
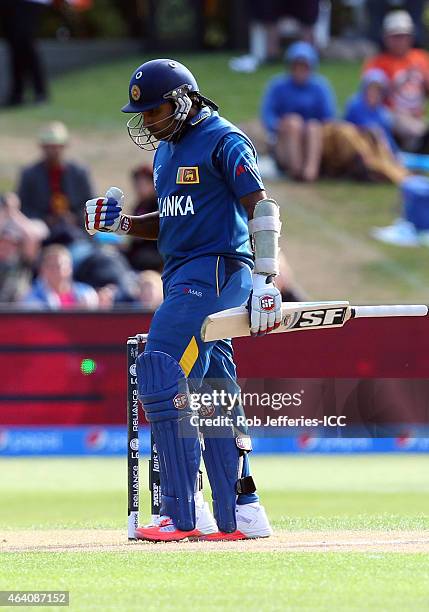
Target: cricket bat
[[298, 316]]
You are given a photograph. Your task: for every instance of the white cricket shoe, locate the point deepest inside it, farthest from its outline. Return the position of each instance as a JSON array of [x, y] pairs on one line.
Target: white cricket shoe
[[252, 522], [162, 529]]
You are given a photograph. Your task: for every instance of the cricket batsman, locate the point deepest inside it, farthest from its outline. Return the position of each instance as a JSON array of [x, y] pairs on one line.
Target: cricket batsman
[[218, 235]]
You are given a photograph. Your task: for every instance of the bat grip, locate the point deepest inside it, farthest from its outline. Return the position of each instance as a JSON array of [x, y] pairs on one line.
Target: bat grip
[[407, 310]]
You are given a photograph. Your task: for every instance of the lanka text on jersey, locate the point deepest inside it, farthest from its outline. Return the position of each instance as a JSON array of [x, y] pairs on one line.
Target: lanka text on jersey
[[175, 205]]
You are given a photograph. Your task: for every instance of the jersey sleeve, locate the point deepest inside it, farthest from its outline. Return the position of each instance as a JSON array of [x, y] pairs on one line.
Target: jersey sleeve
[[235, 159]]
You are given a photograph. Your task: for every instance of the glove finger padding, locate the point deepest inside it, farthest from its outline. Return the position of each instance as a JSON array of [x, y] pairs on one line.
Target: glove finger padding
[[263, 322], [254, 317], [258, 318], [104, 214], [117, 194], [271, 317], [278, 316], [102, 208]]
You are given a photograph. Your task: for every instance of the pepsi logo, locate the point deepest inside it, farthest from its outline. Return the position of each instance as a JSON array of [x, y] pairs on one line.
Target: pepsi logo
[[4, 439], [96, 439], [306, 442]]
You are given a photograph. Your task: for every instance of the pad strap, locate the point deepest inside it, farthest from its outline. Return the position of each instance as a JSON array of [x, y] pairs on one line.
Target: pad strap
[[264, 223], [262, 264], [245, 485]]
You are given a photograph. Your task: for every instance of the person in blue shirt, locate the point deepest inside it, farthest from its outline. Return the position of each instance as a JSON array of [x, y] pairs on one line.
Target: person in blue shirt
[[366, 108], [211, 200], [293, 109]]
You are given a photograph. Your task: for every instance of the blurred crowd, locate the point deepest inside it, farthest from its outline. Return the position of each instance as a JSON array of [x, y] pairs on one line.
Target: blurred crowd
[[48, 261], [386, 115]]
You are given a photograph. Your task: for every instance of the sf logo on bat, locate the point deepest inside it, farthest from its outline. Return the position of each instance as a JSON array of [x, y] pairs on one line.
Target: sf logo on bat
[[322, 317]]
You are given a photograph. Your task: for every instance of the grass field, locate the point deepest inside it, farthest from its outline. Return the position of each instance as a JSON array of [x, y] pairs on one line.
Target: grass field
[[94, 96], [326, 226], [372, 507]]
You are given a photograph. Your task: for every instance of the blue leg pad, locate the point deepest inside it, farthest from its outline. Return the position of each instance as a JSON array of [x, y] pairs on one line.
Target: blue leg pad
[[227, 467], [163, 391]]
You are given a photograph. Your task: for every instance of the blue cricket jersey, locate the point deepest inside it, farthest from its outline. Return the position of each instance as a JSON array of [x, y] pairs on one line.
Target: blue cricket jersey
[[199, 181]]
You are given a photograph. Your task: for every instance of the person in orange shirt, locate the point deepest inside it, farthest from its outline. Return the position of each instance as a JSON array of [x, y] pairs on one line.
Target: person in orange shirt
[[407, 69]]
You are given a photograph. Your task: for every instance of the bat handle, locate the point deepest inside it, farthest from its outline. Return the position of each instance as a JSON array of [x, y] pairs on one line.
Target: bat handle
[[406, 310]]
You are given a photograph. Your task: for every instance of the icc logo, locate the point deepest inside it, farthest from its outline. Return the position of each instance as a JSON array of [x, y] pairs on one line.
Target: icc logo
[[134, 444], [133, 369]]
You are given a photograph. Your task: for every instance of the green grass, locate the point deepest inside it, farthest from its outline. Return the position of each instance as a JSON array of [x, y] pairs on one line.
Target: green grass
[[300, 492], [93, 97], [226, 581], [336, 216], [310, 492]]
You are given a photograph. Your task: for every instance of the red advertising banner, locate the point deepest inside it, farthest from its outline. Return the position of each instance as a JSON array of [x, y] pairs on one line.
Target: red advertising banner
[[70, 368]]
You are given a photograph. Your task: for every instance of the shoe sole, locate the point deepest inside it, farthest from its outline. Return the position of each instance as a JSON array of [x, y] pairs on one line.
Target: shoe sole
[[175, 536], [230, 537]]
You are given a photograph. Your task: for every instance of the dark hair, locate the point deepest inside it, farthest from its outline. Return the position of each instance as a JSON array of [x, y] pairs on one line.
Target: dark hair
[[199, 101]]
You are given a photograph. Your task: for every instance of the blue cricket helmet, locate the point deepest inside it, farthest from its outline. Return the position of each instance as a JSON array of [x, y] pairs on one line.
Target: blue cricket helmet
[[151, 83]]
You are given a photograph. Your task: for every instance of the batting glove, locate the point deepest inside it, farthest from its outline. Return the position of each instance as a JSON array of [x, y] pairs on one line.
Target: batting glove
[[265, 306], [105, 214]]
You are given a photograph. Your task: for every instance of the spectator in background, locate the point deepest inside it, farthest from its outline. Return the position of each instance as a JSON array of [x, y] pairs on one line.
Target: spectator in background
[[293, 109], [149, 290], [20, 240], [367, 109], [358, 153], [15, 269], [408, 72], [54, 189], [377, 10], [54, 288], [20, 20], [34, 231], [362, 146], [100, 263], [106, 297], [144, 254], [264, 31]]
